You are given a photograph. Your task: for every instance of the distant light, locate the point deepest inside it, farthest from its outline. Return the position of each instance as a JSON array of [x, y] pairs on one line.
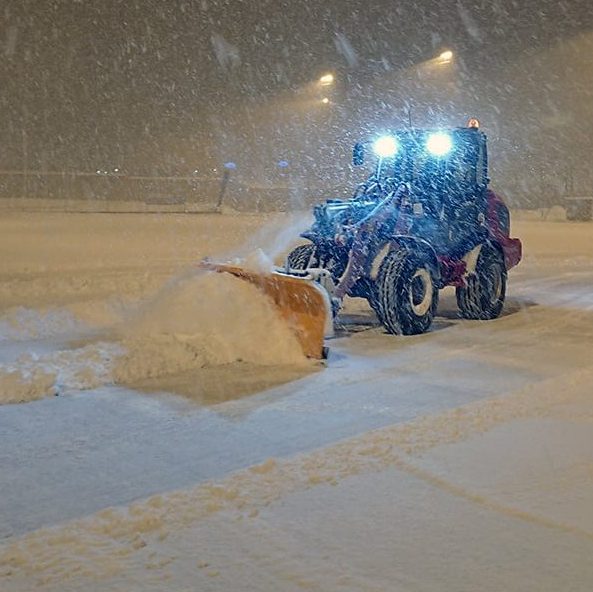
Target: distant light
[[386, 146], [327, 79], [98, 172], [439, 144], [283, 164], [195, 171], [230, 165], [116, 170], [325, 101], [446, 56]]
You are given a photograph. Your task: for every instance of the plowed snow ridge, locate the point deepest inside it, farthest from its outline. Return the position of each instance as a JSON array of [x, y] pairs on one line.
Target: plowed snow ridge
[[195, 321]]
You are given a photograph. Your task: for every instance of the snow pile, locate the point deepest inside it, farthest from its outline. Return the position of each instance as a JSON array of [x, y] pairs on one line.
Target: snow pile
[[33, 376], [19, 384], [195, 321], [204, 320]]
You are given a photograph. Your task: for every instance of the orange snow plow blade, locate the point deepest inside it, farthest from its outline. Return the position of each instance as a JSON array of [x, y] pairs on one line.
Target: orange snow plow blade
[[302, 303]]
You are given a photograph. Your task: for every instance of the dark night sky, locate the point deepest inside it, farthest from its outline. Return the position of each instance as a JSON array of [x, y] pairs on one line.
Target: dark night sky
[[110, 80]]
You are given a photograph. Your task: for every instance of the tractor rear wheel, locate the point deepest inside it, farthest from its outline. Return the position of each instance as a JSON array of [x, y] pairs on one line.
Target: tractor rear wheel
[[483, 296], [302, 257], [407, 295]]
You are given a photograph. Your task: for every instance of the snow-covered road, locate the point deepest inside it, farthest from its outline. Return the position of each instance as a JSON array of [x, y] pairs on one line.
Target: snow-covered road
[[73, 455]]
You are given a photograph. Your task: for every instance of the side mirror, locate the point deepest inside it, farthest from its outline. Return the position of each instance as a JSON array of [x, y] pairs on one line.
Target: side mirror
[[358, 154]]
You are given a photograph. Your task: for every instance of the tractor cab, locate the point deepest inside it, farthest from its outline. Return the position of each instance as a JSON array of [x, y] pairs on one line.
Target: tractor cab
[[447, 172], [453, 161]]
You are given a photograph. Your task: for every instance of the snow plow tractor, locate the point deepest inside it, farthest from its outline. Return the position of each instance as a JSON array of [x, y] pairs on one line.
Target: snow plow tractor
[[424, 219]]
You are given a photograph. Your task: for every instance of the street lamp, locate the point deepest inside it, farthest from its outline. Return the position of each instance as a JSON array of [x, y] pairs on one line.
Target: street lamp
[[326, 79], [446, 57], [325, 101]]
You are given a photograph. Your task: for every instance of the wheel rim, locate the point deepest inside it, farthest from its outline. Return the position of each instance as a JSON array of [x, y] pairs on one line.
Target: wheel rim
[[421, 292]]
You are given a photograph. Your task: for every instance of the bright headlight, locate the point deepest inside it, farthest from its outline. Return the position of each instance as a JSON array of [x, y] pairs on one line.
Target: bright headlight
[[386, 147], [439, 144]]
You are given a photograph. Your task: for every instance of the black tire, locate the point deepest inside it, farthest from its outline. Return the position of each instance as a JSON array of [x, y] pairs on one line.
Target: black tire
[[407, 295], [374, 302], [483, 297], [302, 257], [305, 256]]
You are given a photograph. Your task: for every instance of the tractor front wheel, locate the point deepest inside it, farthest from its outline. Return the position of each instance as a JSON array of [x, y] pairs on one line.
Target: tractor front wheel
[[483, 296], [407, 295], [302, 257], [305, 256]]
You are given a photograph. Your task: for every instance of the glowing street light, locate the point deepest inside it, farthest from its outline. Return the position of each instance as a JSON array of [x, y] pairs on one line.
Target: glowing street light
[[326, 79], [325, 101], [446, 57]]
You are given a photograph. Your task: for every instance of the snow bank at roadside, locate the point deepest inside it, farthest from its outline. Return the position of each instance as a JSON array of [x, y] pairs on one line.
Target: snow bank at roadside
[[33, 377], [195, 321]]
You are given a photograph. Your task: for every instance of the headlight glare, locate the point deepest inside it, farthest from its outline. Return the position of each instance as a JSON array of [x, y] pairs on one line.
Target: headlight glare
[[439, 144], [386, 146]]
